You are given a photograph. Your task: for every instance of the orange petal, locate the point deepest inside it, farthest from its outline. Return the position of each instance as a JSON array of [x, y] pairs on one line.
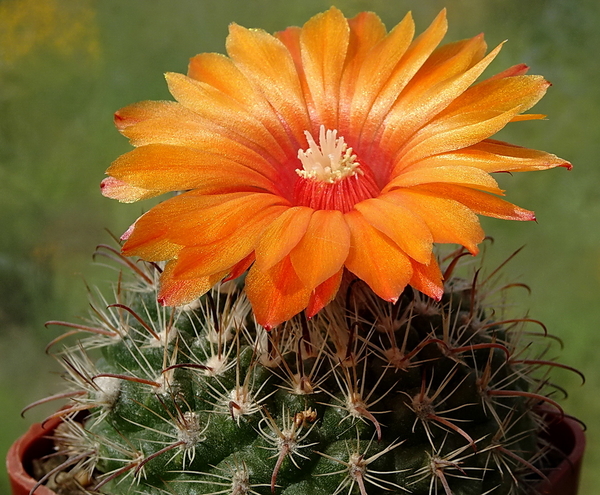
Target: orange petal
[[366, 31], [323, 249], [468, 176], [448, 220], [493, 156], [276, 294], [401, 225], [498, 156], [144, 110], [221, 220], [426, 98], [164, 167], [225, 252], [480, 202], [515, 70], [282, 236], [428, 279], [222, 110], [324, 294], [374, 258], [175, 292], [125, 192], [499, 95], [221, 73], [324, 44], [267, 63], [459, 131], [190, 218], [388, 70], [240, 267]]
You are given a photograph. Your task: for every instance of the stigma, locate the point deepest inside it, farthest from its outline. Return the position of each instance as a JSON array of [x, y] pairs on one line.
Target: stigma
[[331, 177], [330, 161]]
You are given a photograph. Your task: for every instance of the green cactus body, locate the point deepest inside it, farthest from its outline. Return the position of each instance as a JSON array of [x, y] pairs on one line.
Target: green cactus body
[[368, 397]]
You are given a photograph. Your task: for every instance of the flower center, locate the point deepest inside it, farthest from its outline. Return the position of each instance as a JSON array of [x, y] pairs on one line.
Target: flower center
[[329, 161], [331, 178]]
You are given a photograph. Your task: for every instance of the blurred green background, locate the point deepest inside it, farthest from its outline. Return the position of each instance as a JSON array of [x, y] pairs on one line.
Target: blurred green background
[[67, 65]]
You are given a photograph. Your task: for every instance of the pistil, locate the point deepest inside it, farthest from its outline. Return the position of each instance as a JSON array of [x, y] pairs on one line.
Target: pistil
[[331, 177]]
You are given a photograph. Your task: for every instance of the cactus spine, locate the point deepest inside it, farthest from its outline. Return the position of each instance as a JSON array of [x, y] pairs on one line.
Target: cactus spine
[[368, 397]]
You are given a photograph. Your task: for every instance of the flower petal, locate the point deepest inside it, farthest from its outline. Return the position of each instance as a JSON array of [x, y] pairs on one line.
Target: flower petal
[[389, 68], [324, 294], [164, 167], [145, 110], [428, 279], [468, 176], [193, 218], [276, 294], [223, 111], [448, 220], [401, 225], [459, 131], [124, 192], [176, 292], [220, 72], [366, 31], [268, 65], [418, 105], [499, 95], [497, 156], [282, 236], [324, 44], [376, 259], [479, 202], [323, 249], [225, 252]]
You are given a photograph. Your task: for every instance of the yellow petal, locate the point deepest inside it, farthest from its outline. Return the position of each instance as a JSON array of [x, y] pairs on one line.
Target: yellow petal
[[276, 294], [282, 236], [401, 225], [324, 43], [448, 220], [323, 249], [376, 259]]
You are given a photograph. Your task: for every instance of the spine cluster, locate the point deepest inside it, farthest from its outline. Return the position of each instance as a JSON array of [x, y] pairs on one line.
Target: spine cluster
[[418, 397]]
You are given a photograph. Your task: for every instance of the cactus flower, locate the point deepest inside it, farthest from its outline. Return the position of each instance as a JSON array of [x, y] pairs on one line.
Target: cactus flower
[[333, 147]]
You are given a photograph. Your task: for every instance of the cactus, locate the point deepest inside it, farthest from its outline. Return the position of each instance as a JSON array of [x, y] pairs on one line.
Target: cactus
[[367, 397]]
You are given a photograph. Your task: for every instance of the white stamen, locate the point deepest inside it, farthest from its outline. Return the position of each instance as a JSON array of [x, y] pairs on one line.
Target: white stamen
[[329, 161]]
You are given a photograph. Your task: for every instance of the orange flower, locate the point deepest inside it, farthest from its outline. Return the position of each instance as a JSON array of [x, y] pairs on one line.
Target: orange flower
[[335, 146]]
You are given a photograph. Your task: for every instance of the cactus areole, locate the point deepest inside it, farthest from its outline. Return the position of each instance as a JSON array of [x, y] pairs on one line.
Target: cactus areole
[[368, 397]]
